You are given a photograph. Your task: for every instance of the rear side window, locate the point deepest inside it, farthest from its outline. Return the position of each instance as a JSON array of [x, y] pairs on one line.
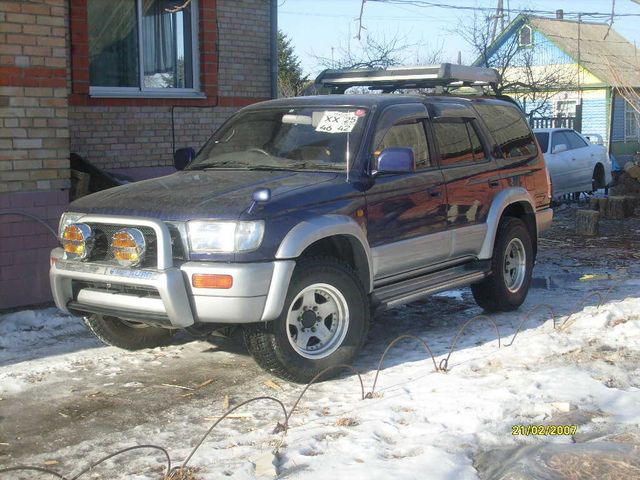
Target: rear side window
[[457, 141], [509, 129]]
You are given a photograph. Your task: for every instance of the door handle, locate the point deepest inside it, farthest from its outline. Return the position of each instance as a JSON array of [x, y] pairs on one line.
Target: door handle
[[434, 192], [494, 183]]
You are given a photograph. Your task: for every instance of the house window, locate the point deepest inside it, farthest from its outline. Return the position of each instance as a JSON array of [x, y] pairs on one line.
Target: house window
[[525, 36], [631, 123], [566, 108], [143, 47]]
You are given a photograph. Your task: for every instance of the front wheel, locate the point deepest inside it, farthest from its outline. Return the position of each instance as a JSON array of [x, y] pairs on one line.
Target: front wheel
[[323, 324], [511, 266], [127, 335]]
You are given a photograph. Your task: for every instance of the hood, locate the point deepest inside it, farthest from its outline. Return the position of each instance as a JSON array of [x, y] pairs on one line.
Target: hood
[[223, 194]]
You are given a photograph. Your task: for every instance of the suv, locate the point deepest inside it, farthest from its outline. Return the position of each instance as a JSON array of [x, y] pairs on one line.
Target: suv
[[301, 215]]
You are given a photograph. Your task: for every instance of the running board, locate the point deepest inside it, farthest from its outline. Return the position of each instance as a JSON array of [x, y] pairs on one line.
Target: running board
[[413, 289]]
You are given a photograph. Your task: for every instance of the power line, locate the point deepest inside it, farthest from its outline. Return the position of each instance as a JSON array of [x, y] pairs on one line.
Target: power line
[[425, 3]]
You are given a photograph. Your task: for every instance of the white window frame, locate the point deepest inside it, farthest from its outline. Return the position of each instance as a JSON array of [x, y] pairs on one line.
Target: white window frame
[[520, 43], [629, 111], [146, 92], [570, 112]]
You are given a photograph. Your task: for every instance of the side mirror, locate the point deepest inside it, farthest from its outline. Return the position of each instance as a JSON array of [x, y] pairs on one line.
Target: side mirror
[[183, 157], [396, 160], [559, 148]]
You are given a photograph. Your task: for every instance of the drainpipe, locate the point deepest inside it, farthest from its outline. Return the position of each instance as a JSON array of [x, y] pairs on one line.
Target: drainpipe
[[274, 48], [612, 96]]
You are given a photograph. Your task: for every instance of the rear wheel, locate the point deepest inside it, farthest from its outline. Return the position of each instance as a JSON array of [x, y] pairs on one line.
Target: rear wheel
[[511, 266], [597, 180], [127, 335], [324, 323]]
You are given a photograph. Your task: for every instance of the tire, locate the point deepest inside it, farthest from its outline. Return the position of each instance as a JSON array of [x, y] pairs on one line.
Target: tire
[[117, 333], [324, 323], [505, 289]]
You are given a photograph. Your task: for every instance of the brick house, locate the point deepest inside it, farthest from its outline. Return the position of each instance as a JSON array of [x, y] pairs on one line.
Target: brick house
[[122, 83]]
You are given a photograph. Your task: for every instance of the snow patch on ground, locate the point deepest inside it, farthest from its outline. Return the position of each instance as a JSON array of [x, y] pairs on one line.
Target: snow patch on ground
[[419, 423]]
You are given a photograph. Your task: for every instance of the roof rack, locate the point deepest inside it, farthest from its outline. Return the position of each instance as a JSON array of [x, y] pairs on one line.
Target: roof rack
[[390, 79]]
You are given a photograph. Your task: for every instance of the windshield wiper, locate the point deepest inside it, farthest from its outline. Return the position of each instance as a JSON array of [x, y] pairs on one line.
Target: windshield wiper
[[319, 166], [207, 166], [247, 166]]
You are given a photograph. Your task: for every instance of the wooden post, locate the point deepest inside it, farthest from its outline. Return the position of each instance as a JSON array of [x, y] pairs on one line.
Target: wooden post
[[629, 206], [587, 222], [598, 204], [615, 208]]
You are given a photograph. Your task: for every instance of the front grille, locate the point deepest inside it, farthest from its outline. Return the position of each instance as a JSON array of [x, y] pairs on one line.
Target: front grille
[[103, 252], [137, 290], [177, 247]]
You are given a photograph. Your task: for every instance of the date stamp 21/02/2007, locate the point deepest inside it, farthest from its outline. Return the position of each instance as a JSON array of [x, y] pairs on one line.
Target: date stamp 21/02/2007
[[544, 430]]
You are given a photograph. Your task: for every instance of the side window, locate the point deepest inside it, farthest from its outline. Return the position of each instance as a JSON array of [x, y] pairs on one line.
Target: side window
[[509, 129], [408, 135], [543, 140], [575, 141], [476, 145], [457, 141], [559, 138]]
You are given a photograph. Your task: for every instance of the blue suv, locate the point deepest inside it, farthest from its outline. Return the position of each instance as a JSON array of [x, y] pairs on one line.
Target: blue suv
[[300, 216]]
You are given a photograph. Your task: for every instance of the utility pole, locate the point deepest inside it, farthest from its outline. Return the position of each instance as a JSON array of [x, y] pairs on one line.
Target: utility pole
[[497, 17]]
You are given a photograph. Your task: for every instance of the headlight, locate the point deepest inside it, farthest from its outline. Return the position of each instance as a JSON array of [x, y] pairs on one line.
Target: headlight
[[67, 219], [210, 237]]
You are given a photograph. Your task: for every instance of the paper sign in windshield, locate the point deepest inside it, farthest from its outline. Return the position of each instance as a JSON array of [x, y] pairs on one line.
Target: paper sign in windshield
[[337, 122]]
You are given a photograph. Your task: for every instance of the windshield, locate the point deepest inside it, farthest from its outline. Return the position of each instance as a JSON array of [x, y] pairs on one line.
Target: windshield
[[543, 140], [324, 138]]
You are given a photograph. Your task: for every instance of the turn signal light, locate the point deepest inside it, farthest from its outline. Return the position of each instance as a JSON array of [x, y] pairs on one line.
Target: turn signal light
[[77, 241], [206, 280]]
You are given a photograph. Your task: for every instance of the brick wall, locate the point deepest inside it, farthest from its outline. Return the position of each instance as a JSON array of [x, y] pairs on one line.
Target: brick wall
[[117, 134], [34, 142], [113, 137], [245, 48], [46, 112]]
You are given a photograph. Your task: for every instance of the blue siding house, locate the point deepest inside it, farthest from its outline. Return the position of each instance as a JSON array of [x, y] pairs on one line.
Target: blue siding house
[[594, 64]]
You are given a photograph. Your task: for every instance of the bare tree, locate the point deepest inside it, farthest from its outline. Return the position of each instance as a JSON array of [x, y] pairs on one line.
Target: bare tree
[[531, 84], [383, 52], [369, 52], [630, 94]]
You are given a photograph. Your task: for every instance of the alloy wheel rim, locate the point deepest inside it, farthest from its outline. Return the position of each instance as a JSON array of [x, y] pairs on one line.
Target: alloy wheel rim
[[515, 265], [317, 321]]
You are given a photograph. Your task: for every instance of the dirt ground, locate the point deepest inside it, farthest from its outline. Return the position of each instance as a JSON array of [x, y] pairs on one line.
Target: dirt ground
[[110, 391]]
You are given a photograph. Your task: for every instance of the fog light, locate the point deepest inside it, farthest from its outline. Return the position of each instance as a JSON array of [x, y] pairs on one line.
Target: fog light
[[128, 247], [77, 241], [204, 280]]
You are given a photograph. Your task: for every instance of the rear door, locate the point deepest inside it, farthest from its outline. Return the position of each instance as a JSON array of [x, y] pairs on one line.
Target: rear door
[[514, 148], [406, 222], [471, 176]]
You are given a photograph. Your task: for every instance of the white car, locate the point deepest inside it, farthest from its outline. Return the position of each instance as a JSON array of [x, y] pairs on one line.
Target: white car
[[575, 164]]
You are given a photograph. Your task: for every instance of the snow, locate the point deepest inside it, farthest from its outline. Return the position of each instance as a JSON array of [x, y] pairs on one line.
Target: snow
[[419, 423]]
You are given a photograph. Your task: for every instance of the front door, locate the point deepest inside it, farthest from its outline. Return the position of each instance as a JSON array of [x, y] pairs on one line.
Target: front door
[[406, 222]]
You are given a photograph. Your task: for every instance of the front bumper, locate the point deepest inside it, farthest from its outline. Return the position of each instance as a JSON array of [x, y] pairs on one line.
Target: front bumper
[[544, 218], [165, 297]]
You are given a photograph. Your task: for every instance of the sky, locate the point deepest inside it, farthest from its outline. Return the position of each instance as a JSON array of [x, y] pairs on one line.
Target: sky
[[317, 26]]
